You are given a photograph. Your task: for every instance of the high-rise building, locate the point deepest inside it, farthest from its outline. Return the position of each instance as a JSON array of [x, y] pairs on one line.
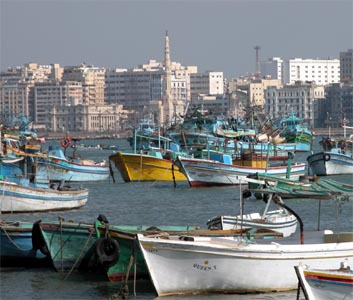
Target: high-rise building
[[322, 71], [92, 79], [272, 68], [346, 64], [49, 94], [208, 84], [299, 98]]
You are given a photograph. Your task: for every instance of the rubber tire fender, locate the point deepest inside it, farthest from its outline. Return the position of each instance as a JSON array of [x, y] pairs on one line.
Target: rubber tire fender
[[38, 241], [327, 157], [108, 251]]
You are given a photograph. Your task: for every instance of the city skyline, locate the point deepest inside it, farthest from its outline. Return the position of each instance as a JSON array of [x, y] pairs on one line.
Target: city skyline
[[212, 35]]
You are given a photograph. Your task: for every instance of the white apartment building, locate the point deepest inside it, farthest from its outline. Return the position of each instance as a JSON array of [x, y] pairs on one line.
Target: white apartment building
[[208, 83], [46, 95], [255, 90], [15, 100], [299, 98], [136, 88], [92, 79], [322, 71]]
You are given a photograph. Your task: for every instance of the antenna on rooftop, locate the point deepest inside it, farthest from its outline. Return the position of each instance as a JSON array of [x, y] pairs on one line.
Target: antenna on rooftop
[[257, 71]]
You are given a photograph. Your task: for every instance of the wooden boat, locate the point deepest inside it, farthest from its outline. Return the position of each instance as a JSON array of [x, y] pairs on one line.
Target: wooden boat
[[56, 167], [148, 166], [336, 159], [295, 132], [306, 187], [220, 170], [18, 247], [190, 264], [81, 246], [19, 194], [154, 163], [16, 198], [279, 220], [325, 284]]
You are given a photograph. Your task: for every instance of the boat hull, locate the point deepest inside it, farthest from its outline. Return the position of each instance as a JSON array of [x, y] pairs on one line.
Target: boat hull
[[70, 244], [56, 169], [73, 246], [140, 167], [274, 220], [209, 265], [16, 198], [16, 246], [328, 163], [202, 172], [321, 284]]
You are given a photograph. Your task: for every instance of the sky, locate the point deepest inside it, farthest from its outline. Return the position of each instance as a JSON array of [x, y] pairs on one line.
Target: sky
[[212, 35]]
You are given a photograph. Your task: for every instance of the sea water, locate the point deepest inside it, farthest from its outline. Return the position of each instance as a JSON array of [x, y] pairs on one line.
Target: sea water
[[154, 204]]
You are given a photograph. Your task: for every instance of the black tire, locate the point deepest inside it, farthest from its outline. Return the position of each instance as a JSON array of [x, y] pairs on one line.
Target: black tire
[[108, 251], [38, 242]]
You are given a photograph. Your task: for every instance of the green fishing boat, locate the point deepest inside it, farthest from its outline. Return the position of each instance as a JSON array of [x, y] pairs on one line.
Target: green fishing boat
[[304, 187], [99, 246]]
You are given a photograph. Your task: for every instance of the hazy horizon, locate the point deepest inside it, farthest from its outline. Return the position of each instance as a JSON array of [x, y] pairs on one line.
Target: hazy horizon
[[212, 35]]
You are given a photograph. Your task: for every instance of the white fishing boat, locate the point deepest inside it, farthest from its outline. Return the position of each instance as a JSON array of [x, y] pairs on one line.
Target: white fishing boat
[[21, 197], [336, 159], [325, 284], [222, 171], [278, 220], [191, 264], [20, 194]]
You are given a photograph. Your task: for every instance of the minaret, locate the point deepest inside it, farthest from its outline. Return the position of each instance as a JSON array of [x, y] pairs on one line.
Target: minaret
[[167, 66], [168, 101]]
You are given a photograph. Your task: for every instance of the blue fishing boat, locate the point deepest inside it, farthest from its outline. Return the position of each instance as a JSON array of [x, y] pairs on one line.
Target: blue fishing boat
[[295, 132], [56, 167], [20, 247]]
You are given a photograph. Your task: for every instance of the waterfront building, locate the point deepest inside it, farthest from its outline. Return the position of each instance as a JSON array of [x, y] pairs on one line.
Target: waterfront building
[[300, 98], [17, 88], [208, 83], [15, 100], [87, 118], [217, 104], [322, 71], [92, 80], [346, 65], [272, 68], [338, 105], [46, 95], [156, 83]]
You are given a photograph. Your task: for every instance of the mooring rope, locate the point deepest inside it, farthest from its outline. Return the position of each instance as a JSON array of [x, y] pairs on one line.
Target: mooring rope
[[80, 255]]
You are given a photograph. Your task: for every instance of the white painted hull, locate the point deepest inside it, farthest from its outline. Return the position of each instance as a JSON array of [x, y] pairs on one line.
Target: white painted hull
[[17, 198], [230, 266], [328, 163], [326, 284], [202, 172], [275, 220]]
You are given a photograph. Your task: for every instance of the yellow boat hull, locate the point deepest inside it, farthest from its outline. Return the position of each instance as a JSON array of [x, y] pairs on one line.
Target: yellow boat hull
[[142, 167]]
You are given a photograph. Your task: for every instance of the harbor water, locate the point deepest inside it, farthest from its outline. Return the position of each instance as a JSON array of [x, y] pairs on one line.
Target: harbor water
[[156, 204]]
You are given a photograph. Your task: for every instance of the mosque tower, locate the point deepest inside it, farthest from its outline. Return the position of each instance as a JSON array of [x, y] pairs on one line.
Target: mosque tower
[[168, 110]]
